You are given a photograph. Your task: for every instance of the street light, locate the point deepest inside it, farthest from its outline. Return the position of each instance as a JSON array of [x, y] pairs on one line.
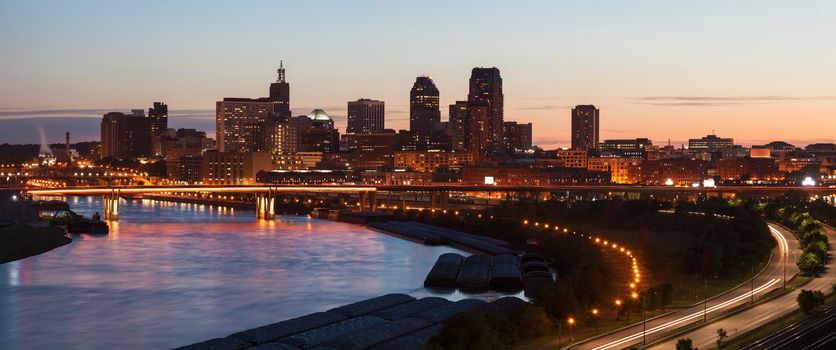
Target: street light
[[595, 319], [617, 308], [571, 322]]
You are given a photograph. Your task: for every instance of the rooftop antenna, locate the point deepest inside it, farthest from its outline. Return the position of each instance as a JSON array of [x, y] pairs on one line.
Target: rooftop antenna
[[281, 72]]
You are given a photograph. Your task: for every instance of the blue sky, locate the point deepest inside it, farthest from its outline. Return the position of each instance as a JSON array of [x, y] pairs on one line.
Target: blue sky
[[754, 70]]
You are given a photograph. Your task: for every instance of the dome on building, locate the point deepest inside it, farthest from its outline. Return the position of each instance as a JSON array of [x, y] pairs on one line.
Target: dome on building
[[319, 115]]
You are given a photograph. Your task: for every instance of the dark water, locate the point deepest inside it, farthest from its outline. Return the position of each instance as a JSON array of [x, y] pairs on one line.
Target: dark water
[[171, 274]]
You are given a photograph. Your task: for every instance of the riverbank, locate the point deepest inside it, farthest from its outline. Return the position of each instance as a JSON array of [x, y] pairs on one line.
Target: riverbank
[[21, 241]]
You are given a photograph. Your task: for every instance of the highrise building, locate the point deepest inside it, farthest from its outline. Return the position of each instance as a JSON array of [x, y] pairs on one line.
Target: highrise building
[[485, 103], [159, 118], [458, 119], [280, 94], [585, 127], [365, 115], [517, 136], [238, 123], [320, 135], [126, 135], [239, 120], [424, 112]]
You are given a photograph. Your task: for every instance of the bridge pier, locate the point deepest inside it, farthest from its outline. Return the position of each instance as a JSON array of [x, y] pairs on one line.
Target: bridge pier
[[111, 206], [265, 205], [445, 198], [373, 194]]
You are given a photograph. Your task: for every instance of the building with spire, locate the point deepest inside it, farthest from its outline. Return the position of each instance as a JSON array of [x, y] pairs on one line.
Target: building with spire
[[280, 94], [239, 120]]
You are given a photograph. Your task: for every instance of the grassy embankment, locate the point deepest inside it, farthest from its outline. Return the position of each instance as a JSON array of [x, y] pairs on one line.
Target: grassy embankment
[[20, 241]]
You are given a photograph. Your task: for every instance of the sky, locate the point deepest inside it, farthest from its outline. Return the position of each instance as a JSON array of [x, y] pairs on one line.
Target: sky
[[757, 71]]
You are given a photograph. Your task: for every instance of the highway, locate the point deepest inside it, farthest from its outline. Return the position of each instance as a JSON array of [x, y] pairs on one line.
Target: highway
[[770, 278], [815, 332], [740, 323]]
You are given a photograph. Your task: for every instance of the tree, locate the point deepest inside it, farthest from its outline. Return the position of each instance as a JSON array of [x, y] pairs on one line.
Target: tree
[[808, 263], [809, 300], [685, 344], [721, 334], [534, 322], [819, 248]]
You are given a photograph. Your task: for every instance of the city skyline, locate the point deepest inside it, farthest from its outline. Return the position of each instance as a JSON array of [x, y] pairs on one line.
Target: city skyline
[[668, 83]]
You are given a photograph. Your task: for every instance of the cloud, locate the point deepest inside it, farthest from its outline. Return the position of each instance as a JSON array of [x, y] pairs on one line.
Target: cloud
[[720, 101], [93, 113], [544, 107]]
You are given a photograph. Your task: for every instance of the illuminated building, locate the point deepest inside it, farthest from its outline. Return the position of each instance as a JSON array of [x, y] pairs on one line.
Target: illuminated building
[[679, 171], [238, 121], [126, 135], [365, 115], [585, 127], [280, 94], [184, 143], [375, 150], [621, 169], [397, 177], [524, 176], [233, 168], [710, 143], [758, 152], [754, 169], [485, 107], [573, 158], [433, 161], [625, 144], [424, 112], [298, 160], [305, 177], [517, 136], [159, 123], [458, 115]]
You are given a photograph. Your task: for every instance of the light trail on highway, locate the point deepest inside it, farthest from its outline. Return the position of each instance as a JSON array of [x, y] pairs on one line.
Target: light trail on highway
[[783, 246], [688, 317]]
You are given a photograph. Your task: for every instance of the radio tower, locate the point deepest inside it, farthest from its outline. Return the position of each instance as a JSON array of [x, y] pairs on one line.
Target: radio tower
[[281, 72]]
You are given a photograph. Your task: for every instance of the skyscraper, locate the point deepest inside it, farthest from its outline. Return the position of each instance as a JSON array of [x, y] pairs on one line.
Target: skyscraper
[[126, 135], [238, 123], [485, 110], [585, 121], [365, 115], [458, 116], [239, 120], [159, 118], [159, 124], [280, 94], [424, 112], [517, 136]]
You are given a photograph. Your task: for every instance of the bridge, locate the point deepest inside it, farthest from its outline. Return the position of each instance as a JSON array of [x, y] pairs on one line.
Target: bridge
[[265, 194]]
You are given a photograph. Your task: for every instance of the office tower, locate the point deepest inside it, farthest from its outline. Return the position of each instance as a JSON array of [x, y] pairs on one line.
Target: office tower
[[159, 118], [280, 94], [238, 120], [319, 134], [485, 110], [126, 135], [376, 150], [710, 143], [585, 121], [458, 116], [517, 136], [365, 115], [233, 168], [424, 112]]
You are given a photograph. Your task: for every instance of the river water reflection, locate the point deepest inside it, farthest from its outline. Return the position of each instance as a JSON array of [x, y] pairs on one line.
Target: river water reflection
[[170, 274]]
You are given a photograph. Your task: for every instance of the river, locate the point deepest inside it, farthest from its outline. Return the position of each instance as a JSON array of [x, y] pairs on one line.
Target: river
[[170, 274]]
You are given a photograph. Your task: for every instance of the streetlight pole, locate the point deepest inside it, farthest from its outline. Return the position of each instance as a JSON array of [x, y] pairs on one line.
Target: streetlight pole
[[705, 310], [559, 334], [571, 332], [595, 319]]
